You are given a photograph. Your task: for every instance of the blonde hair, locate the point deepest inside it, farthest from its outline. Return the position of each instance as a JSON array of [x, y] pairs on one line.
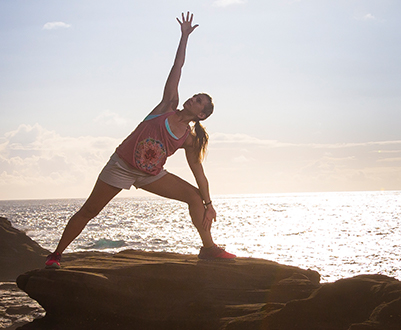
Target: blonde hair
[[199, 131]]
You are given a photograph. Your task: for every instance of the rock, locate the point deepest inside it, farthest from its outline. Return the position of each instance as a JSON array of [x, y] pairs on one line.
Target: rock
[[362, 302], [18, 252], [297, 286], [149, 290]]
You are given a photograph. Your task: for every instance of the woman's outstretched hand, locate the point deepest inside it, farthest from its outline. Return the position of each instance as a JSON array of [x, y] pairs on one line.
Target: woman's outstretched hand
[[186, 24]]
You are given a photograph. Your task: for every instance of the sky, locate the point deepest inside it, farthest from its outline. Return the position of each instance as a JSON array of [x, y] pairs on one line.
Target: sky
[[307, 93]]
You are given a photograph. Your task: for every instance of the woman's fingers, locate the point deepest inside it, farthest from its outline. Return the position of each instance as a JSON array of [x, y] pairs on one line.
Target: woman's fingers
[[208, 219], [207, 224], [186, 23], [187, 19]]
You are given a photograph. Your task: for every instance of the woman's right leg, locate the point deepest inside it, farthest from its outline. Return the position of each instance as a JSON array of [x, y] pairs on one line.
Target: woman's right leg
[[101, 195]]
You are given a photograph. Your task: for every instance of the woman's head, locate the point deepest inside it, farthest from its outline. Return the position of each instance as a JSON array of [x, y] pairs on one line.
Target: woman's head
[[209, 106], [200, 105]]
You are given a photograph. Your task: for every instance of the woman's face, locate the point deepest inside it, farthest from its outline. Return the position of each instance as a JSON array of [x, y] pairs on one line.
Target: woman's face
[[196, 104]]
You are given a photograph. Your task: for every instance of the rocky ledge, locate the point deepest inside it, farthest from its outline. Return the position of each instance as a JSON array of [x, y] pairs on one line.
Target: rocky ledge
[[149, 290], [18, 252]]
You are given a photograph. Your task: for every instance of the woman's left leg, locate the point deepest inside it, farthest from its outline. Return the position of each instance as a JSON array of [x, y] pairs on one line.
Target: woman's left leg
[[173, 187]]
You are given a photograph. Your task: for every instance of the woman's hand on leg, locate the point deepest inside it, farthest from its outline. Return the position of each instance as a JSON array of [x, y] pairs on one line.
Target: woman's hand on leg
[[209, 217]]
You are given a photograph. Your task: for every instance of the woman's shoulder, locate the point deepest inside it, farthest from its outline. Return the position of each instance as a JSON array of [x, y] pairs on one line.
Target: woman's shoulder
[[161, 115], [163, 108]]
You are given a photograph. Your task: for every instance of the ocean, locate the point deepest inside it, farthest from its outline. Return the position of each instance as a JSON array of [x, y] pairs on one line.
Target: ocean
[[338, 234]]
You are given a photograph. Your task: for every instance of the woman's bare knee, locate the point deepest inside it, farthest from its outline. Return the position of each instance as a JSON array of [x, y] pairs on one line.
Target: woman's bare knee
[[89, 212], [101, 195], [194, 197]]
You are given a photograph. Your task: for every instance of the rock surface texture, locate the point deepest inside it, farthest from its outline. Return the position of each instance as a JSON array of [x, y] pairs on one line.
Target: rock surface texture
[[365, 302], [148, 290]]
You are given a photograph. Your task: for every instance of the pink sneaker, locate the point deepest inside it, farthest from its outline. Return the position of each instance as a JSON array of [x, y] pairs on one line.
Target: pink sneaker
[[53, 260], [215, 253]]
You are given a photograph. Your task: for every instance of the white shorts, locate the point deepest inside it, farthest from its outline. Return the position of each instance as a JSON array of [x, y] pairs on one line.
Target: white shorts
[[118, 173]]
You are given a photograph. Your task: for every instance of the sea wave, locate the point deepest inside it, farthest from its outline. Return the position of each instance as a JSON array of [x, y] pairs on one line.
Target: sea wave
[[102, 244]]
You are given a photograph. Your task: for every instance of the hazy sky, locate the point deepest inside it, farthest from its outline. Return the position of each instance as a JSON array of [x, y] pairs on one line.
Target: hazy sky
[[307, 93]]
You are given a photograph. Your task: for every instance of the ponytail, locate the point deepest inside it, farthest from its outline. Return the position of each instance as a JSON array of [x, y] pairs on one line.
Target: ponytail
[[201, 140], [199, 132]]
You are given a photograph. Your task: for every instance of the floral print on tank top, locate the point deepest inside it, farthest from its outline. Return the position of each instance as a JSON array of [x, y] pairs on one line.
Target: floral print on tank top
[[149, 154]]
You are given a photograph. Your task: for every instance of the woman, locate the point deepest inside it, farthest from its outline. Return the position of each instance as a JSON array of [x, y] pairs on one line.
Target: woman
[[140, 158]]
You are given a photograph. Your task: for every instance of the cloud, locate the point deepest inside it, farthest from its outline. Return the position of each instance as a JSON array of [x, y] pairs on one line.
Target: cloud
[[225, 3], [246, 164], [224, 138], [369, 17], [110, 118], [39, 163], [396, 160], [366, 17], [241, 159], [55, 25], [34, 158]]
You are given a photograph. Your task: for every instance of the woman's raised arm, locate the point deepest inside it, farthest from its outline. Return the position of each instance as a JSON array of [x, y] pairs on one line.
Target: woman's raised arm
[[170, 96]]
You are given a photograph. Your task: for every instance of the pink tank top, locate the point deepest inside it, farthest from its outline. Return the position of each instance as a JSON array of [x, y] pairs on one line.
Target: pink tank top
[[149, 145]]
